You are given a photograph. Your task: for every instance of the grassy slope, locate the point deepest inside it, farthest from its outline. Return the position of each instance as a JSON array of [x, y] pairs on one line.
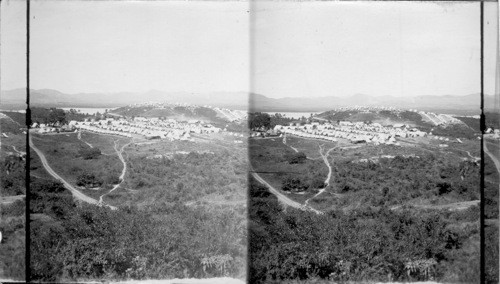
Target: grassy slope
[[267, 158], [298, 247], [61, 151], [13, 241], [266, 262], [217, 163], [217, 184], [12, 214]]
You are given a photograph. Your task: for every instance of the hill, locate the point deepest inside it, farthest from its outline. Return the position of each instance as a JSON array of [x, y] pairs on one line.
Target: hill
[[14, 99], [465, 105], [223, 118], [448, 127]]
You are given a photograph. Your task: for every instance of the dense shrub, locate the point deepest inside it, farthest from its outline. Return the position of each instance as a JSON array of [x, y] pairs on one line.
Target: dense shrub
[[296, 158], [87, 179], [112, 179], [12, 175], [89, 153], [93, 242], [291, 183], [48, 116], [368, 244], [403, 178], [259, 120]]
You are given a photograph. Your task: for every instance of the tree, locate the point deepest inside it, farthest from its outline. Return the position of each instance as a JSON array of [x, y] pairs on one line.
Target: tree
[[56, 115], [291, 183], [88, 179], [259, 120]]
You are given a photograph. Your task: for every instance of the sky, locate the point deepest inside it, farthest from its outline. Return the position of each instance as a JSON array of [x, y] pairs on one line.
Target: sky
[[114, 46], [279, 49], [12, 44], [401, 49]]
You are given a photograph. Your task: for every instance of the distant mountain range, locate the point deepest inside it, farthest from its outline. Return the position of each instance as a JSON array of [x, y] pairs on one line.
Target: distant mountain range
[[16, 98], [468, 103]]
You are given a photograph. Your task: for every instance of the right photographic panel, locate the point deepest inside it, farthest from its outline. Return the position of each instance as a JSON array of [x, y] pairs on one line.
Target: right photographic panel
[[366, 142]]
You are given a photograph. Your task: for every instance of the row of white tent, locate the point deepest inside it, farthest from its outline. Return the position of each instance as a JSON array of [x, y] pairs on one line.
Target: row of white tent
[[332, 136], [104, 131], [173, 135]]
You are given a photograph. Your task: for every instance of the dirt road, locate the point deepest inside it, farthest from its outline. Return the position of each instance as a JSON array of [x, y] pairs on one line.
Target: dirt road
[[76, 193], [283, 198]]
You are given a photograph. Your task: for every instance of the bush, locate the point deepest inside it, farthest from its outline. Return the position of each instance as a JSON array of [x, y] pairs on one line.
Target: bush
[[296, 158], [291, 183], [89, 154], [17, 208], [112, 179], [88, 180], [47, 186]]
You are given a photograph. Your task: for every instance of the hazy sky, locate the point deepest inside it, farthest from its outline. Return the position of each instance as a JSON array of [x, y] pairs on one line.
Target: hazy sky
[[377, 48], [112, 46], [12, 44], [298, 48]]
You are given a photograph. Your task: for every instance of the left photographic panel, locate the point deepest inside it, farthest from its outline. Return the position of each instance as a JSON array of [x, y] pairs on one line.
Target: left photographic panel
[[138, 142], [13, 129]]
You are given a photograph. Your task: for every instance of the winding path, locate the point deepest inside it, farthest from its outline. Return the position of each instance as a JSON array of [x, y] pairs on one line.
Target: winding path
[[17, 151], [328, 177], [76, 193], [124, 170], [284, 142], [80, 138]]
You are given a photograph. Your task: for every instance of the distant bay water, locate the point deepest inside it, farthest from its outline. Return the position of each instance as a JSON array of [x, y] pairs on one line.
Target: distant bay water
[[14, 110]]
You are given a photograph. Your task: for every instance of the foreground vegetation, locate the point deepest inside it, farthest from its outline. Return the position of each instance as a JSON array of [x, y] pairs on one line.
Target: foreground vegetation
[[165, 240], [12, 216], [398, 180], [12, 249], [79, 164], [385, 216], [374, 244], [284, 168], [12, 190], [181, 215]]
